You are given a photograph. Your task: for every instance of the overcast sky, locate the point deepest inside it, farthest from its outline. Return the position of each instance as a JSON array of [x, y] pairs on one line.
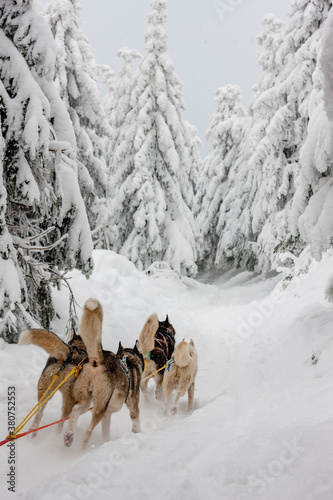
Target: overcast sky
[[212, 43]]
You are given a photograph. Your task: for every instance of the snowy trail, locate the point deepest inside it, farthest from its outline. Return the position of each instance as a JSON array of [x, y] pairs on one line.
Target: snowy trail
[[263, 418]]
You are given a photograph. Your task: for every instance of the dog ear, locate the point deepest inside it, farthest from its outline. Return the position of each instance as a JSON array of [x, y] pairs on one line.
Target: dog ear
[[192, 343], [167, 320], [120, 347], [137, 346]]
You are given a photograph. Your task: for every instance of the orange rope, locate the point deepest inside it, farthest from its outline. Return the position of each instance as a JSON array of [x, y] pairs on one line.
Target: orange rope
[[34, 430]]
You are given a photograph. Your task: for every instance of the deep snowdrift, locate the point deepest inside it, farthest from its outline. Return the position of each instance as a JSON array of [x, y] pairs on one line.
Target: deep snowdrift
[[262, 425]]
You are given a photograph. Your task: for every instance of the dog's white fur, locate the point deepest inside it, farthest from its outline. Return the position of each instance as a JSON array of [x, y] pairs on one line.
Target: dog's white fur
[[181, 375]]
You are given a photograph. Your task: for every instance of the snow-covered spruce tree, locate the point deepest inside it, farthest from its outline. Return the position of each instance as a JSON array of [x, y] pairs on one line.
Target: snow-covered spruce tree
[[326, 65], [225, 132], [117, 105], [236, 235], [101, 230], [43, 219], [110, 82], [76, 78], [299, 50], [10, 290], [154, 165], [122, 92], [280, 114], [312, 206]]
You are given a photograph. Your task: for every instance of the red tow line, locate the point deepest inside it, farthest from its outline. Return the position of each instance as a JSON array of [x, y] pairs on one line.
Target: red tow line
[[33, 430]]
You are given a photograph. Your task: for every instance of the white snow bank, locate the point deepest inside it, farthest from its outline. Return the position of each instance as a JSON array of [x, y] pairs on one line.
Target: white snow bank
[[262, 425]]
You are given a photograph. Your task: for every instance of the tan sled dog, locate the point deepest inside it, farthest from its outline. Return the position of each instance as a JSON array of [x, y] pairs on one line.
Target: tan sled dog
[[107, 381], [157, 342], [63, 358], [181, 375]]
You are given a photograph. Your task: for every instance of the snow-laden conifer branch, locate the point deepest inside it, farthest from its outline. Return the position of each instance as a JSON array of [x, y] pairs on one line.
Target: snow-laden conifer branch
[[25, 243]]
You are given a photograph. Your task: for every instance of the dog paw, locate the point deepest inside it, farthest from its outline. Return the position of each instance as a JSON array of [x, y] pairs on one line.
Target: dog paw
[[174, 410], [68, 438]]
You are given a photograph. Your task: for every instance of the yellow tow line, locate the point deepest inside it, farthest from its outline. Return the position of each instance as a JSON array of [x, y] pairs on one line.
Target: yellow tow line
[[168, 364], [42, 401]]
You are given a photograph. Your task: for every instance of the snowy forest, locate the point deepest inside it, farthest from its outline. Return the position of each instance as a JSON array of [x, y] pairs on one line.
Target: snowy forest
[[121, 170]]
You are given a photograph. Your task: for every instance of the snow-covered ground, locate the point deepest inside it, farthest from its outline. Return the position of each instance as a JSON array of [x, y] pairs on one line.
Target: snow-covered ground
[[262, 427]]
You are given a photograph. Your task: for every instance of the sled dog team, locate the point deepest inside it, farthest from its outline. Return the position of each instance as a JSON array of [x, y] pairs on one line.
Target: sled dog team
[[107, 381]]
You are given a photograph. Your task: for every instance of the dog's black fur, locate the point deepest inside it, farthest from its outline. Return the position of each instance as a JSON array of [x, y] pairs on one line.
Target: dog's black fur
[[76, 353], [134, 365], [164, 343]]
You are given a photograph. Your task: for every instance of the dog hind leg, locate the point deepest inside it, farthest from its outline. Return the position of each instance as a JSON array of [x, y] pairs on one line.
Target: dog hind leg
[[67, 406], [95, 419], [42, 387], [133, 407], [77, 410], [144, 387], [36, 421], [190, 393], [106, 423], [180, 392], [159, 388], [167, 389]]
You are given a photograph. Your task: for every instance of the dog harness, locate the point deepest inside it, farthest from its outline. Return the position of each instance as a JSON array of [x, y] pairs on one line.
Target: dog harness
[[164, 344], [68, 360], [79, 351], [123, 365]]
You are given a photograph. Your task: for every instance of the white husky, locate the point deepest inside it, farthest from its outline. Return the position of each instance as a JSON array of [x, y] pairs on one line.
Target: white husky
[[181, 375]]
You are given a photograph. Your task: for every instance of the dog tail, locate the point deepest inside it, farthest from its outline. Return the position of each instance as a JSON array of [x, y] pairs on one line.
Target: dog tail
[[147, 335], [183, 353], [48, 341], [91, 330]]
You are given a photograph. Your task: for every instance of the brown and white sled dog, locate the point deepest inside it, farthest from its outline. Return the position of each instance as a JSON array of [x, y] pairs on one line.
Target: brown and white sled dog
[[181, 375], [63, 357], [107, 381], [157, 342]]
